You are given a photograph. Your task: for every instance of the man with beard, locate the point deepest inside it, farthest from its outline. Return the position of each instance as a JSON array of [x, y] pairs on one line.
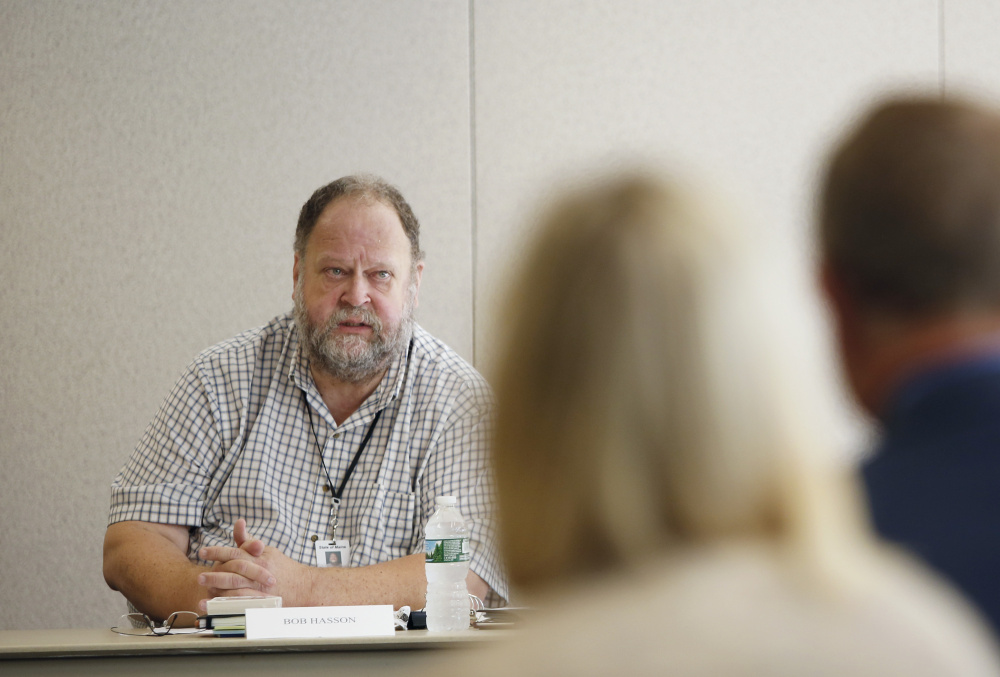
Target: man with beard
[[330, 429]]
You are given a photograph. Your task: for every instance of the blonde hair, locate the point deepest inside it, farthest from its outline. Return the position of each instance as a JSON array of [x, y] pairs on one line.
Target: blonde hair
[[639, 403]]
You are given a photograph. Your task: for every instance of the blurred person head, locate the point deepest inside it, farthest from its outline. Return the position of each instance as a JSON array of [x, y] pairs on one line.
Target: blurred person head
[[909, 230], [641, 400]]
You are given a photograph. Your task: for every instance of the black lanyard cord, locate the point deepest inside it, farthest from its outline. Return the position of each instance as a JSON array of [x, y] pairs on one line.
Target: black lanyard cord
[[357, 456]]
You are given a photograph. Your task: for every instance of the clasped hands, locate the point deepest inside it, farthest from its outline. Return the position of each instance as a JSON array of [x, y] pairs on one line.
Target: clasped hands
[[252, 568]]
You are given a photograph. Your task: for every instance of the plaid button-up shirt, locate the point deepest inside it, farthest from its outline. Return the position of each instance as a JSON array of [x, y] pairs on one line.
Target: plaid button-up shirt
[[234, 439]]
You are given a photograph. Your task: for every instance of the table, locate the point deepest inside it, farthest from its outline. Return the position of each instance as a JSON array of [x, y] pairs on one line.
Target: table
[[87, 652]]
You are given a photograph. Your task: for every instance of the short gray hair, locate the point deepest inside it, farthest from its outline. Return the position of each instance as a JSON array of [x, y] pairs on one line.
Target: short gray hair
[[360, 186]]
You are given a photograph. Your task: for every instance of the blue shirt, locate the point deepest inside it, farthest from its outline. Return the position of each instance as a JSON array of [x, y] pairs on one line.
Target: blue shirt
[[934, 480]]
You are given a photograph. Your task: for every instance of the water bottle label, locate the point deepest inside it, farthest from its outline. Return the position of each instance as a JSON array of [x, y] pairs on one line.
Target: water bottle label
[[448, 550]]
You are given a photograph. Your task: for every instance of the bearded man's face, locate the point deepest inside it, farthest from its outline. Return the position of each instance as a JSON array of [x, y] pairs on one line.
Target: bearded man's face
[[356, 289]]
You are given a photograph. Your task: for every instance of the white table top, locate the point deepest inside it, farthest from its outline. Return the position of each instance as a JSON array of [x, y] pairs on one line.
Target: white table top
[[27, 644]]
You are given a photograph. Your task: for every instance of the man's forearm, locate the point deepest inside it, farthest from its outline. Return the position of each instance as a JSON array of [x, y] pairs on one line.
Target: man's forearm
[[145, 562], [400, 582], [252, 566]]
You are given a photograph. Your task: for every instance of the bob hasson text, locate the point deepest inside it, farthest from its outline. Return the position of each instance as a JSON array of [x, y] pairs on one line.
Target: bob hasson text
[[318, 620]]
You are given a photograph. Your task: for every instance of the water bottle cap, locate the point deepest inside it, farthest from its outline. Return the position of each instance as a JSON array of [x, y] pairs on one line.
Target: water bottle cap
[[446, 500]]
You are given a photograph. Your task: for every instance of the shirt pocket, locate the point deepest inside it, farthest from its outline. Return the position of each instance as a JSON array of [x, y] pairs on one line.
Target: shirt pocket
[[387, 527]]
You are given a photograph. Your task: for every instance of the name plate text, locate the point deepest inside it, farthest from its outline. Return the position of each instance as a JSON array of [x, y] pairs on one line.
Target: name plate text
[[321, 621]]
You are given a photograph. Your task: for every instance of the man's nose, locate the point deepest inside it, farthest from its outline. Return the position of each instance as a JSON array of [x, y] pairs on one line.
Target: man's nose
[[356, 292]]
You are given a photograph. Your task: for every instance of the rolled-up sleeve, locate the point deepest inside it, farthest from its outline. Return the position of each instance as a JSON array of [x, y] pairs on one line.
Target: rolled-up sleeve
[[164, 480], [460, 466]]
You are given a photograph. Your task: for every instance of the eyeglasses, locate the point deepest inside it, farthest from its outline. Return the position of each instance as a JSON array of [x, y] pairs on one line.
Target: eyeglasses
[[143, 625]]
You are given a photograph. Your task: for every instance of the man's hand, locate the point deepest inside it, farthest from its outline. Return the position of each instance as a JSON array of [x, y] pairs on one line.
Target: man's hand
[[245, 541], [252, 568]]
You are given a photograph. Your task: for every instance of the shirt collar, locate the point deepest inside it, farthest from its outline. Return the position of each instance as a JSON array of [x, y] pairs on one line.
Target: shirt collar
[[922, 384]]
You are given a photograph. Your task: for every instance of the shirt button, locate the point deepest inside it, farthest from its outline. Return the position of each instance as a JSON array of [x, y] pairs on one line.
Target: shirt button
[[314, 538], [326, 487], [336, 435]]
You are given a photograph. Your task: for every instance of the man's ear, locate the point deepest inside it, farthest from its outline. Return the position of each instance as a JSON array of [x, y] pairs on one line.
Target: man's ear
[[848, 317], [295, 275], [835, 292], [418, 271], [829, 282]]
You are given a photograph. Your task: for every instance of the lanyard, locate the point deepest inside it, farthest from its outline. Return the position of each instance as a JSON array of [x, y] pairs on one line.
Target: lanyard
[[337, 493]]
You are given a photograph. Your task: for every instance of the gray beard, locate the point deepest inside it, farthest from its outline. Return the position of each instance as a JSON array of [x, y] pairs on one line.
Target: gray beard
[[352, 359]]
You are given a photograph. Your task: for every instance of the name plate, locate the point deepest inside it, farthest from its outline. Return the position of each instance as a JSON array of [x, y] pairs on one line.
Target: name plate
[[321, 621]]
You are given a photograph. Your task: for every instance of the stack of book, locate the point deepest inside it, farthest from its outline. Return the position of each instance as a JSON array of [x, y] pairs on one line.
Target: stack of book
[[226, 616]]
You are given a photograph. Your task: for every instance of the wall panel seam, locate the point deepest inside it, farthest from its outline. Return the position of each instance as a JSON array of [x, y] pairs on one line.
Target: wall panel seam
[[473, 178], [942, 74]]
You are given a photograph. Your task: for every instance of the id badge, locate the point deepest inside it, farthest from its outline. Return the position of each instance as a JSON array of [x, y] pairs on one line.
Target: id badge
[[333, 553]]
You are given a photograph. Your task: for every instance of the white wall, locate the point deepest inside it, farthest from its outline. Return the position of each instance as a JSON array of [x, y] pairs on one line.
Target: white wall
[[154, 155]]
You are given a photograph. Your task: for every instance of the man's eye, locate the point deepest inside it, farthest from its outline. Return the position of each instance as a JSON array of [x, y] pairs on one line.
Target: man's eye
[[335, 271], [382, 275]]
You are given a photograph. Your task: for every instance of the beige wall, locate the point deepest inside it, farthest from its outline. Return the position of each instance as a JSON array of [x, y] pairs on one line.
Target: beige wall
[[154, 154]]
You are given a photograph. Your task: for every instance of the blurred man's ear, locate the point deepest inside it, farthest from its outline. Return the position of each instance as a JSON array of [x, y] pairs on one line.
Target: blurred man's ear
[[847, 315], [835, 292], [850, 330]]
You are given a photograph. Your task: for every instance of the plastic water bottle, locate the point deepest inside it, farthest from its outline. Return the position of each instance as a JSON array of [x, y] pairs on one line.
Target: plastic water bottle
[[447, 563]]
